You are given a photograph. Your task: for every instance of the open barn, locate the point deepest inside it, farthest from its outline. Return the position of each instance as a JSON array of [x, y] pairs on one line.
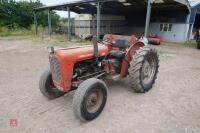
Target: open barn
[[168, 18]]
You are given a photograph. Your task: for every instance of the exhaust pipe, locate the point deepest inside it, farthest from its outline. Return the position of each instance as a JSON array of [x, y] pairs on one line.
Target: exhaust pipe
[[94, 39], [95, 44]]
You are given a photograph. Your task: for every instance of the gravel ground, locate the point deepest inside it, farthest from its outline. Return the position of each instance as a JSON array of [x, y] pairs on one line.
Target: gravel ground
[[172, 106]]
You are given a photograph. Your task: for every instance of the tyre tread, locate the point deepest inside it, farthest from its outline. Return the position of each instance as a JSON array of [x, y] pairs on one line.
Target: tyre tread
[[135, 68]]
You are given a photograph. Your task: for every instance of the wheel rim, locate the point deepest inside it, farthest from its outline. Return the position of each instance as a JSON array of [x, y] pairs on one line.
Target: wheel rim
[[94, 100], [52, 87], [148, 70]]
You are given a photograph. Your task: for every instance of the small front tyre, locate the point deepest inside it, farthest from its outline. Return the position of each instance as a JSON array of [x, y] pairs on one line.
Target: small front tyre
[[47, 88], [89, 99]]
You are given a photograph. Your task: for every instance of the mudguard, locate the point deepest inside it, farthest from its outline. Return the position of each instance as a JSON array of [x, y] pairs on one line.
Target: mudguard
[[128, 57]]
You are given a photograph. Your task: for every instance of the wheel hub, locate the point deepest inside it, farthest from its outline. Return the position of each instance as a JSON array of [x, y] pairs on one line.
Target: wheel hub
[[148, 70], [94, 101]]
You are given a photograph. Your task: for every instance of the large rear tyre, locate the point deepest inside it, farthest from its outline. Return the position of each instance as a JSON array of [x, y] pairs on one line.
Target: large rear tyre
[[89, 99], [143, 69], [47, 88]]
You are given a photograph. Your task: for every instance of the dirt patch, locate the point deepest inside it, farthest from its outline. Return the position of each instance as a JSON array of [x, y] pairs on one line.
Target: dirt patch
[[172, 105]]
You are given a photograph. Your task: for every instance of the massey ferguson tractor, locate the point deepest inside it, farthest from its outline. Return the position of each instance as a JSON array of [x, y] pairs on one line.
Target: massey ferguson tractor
[[85, 68]]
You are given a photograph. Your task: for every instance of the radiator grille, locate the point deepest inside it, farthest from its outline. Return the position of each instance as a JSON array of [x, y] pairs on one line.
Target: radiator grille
[[55, 68]]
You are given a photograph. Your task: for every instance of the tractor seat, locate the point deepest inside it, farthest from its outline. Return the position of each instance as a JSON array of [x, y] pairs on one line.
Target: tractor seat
[[121, 43], [117, 54]]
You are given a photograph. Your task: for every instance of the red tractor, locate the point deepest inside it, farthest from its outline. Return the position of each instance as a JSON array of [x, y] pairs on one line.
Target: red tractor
[[84, 68]]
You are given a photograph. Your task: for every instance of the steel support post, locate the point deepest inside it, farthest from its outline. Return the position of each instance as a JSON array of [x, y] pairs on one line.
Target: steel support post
[[148, 16], [49, 22], [98, 20], [35, 22], [69, 24]]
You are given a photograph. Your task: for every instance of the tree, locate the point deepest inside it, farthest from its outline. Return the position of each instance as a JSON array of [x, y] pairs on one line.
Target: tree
[[20, 14]]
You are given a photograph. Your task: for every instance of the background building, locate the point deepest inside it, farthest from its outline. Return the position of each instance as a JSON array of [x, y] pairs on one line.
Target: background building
[[174, 20], [175, 24]]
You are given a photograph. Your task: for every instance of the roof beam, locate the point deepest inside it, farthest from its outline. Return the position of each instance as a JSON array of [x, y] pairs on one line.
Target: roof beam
[[139, 3], [114, 8]]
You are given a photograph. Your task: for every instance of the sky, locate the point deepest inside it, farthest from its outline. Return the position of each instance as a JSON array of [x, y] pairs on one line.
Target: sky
[[54, 2]]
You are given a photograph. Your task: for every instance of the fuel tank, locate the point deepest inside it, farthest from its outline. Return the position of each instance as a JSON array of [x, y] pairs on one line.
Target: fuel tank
[[80, 53]]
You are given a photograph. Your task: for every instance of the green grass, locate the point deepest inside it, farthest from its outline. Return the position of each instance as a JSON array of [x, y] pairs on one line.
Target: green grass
[[17, 31], [187, 44], [13, 32], [41, 38], [54, 40], [61, 40], [190, 44]]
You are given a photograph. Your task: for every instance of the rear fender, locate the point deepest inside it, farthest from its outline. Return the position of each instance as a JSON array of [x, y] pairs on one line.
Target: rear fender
[[128, 57]]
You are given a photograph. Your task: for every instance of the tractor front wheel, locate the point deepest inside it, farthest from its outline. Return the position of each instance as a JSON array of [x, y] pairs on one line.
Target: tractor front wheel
[[90, 99], [143, 69], [47, 88]]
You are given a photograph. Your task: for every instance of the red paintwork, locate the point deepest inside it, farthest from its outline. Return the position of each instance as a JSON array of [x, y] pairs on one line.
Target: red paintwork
[[154, 40], [69, 56], [130, 52], [110, 38], [156, 36], [128, 57]]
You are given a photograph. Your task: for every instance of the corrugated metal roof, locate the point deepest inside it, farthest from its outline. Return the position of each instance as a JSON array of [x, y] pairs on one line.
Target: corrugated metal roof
[[119, 6]]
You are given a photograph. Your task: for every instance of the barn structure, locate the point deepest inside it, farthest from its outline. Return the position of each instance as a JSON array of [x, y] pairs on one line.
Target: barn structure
[[194, 19], [171, 19]]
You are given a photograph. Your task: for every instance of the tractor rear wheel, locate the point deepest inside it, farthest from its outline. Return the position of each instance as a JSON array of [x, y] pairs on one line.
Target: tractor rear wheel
[[143, 69], [89, 99], [47, 88]]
